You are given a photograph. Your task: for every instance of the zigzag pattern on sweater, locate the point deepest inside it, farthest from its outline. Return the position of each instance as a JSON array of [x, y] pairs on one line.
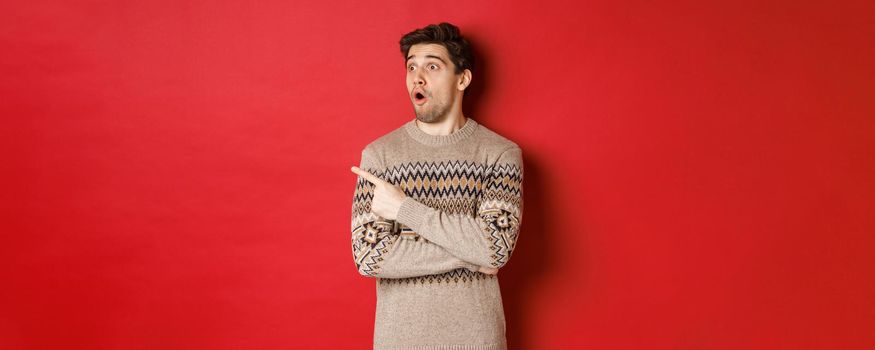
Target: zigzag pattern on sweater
[[492, 193], [455, 276]]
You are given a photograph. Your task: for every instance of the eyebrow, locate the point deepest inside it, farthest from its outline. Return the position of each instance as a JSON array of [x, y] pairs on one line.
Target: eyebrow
[[428, 56]]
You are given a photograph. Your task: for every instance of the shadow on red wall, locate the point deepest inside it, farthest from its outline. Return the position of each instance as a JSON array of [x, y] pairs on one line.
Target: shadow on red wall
[[534, 261]]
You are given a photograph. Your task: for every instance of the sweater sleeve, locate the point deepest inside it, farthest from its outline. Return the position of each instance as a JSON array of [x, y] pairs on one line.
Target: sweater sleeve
[[489, 237], [378, 248]]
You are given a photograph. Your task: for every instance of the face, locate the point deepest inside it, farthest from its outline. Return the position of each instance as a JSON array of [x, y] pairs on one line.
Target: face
[[432, 84]]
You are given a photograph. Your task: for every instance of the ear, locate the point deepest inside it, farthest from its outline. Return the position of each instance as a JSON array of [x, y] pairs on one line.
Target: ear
[[464, 80]]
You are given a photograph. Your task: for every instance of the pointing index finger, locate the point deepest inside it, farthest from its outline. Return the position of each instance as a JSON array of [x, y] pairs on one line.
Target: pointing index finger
[[367, 176]]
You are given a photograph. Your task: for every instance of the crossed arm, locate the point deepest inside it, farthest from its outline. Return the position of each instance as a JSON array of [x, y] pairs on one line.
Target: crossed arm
[[483, 243]]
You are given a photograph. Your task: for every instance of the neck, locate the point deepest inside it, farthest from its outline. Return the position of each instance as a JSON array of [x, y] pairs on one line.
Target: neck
[[454, 120]]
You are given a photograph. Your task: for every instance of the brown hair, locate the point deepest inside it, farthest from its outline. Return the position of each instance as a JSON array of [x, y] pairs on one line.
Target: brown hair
[[444, 34]]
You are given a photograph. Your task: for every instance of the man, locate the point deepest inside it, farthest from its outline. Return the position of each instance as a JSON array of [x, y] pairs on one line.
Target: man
[[437, 209]]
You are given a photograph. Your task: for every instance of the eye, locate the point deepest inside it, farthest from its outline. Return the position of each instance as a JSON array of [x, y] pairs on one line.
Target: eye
[[433, 65], [410, 68]]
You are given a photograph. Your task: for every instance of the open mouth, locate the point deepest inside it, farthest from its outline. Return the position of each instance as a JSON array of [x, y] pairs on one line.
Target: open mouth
[[419, 98]]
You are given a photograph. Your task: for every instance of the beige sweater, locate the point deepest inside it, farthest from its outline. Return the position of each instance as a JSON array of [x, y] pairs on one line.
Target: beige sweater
[[463, 210]]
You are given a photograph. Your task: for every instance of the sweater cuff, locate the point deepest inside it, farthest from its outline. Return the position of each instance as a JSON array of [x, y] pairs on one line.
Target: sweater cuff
[[411, 213]]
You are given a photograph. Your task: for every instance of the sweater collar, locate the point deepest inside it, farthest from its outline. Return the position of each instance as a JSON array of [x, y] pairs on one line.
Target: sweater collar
[[441, 140]]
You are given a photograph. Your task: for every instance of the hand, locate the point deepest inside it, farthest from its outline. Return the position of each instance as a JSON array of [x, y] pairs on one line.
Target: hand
[[387, 197]]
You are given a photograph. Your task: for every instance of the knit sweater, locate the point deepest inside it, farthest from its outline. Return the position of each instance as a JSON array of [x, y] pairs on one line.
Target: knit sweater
[[463, 210]]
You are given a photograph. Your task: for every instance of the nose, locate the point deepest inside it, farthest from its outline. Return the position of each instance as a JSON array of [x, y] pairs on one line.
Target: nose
[[418, 80]]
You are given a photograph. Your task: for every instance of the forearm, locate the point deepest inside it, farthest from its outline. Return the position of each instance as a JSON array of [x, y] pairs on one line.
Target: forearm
[[413, 256], [379, 251], [489, 236], [469, 238]]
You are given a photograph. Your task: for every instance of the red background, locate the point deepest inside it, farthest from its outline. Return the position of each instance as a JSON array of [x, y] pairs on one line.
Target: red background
[[698, 175]]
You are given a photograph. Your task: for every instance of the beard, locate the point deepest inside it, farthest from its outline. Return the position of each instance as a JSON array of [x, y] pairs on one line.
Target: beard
[[431, 112]]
